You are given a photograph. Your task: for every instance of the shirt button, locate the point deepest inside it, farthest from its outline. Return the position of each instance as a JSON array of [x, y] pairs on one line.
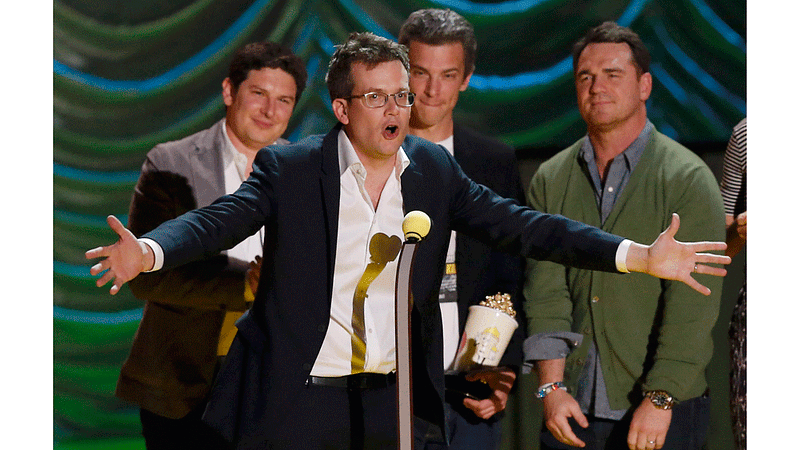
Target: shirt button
[[611, 189], [595, 299]]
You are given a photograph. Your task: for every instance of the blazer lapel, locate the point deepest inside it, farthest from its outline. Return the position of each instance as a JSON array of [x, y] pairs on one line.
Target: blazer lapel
[[207, 170], [411, 184], [330, 189]]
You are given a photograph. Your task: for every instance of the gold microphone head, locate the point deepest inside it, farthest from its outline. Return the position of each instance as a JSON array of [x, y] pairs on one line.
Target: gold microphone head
[[416, 226]]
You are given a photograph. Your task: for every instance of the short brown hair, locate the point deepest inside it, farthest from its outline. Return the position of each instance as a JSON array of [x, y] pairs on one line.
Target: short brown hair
[[610, 32], [441, 26], [365, 48], [258, 55]]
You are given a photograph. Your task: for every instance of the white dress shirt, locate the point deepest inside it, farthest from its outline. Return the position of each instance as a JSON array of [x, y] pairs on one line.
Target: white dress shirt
[[358, 223], [234, 165]]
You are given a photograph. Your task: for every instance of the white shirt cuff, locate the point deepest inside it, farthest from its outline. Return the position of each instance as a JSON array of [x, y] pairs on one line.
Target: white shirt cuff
[[622, 255], [158, 253]]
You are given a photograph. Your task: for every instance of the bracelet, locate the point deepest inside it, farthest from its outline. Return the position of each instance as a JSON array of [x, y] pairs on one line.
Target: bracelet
[[550, 387]]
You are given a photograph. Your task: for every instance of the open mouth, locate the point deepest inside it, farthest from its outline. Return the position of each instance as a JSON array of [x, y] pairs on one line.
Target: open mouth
[[391, 131]]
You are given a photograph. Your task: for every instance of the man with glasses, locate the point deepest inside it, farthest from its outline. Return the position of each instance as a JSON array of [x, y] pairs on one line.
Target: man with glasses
[[441, 50], [312, 365]]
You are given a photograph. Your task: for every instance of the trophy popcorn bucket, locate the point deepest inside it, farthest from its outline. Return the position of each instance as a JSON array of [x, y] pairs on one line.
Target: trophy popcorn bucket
[[487, 333]]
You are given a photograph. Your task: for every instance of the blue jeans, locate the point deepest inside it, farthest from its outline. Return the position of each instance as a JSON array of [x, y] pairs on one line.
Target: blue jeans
[[687, 430]]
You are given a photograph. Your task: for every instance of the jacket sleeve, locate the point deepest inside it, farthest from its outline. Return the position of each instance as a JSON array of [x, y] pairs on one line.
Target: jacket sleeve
[[502, 223], [508, 270], [547, 301], [161, 194]]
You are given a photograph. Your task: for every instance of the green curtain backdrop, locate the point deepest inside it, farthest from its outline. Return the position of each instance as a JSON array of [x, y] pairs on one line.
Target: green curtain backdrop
[[128, 75]]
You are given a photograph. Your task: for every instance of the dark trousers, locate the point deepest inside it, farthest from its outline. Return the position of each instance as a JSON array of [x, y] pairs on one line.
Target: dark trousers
[[467, 431], [687, 430], [189, 432], [334, 418]]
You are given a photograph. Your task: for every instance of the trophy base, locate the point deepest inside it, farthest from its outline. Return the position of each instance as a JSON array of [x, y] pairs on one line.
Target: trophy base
[[457, 387]]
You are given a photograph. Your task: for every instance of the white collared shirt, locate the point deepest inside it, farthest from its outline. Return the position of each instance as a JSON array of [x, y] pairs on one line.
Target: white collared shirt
[[234, 165], [358, 223], [449, 309]]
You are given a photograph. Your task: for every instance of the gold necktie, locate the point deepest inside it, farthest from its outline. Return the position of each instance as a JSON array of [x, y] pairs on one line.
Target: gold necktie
[[382, 250]]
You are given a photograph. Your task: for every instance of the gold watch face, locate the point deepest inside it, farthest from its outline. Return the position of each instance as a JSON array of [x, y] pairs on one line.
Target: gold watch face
[[661, 399]]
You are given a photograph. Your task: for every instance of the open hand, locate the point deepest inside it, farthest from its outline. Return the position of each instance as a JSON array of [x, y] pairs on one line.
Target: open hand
[[673, 260], [124, 260]]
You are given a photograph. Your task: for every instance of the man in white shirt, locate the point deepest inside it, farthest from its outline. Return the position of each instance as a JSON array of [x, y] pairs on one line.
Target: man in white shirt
[[289, 380], [441, 50], [190, 310]]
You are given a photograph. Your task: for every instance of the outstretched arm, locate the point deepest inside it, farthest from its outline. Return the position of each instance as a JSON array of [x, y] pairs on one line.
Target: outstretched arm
[[124, 260], [673, 260]]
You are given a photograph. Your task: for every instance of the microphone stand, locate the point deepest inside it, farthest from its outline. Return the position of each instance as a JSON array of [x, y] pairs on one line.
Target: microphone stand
[[403, 303]]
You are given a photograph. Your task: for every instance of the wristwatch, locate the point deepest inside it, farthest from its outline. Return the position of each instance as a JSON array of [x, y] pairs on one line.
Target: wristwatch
[[660, 399]]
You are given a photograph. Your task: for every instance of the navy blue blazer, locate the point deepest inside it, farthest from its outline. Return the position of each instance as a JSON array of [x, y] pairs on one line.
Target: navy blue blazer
[[294, 191], [481, 269]]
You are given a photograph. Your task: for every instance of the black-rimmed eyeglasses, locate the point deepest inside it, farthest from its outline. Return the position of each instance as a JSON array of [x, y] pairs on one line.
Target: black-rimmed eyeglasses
[[378, 99]]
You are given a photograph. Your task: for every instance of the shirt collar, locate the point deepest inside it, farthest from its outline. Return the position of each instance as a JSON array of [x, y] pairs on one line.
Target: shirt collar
[[348, 157], [631, 155], [232, 156]]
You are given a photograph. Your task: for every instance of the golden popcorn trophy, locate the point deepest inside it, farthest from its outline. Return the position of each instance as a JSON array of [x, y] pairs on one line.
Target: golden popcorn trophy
[[487, 333], [416, 225]]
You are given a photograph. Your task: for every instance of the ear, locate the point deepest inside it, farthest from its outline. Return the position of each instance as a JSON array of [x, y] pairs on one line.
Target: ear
[[227, 92], [645, 86], [340, 107], [465, 83]]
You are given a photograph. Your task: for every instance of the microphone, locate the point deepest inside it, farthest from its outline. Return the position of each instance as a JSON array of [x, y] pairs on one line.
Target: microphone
[[416, 226]]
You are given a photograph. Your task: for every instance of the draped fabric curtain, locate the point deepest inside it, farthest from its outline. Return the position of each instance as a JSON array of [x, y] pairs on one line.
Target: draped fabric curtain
[[128, 75]]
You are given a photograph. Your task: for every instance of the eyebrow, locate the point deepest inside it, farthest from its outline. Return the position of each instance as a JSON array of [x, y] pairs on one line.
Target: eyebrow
[[450, 70], [604, 70]]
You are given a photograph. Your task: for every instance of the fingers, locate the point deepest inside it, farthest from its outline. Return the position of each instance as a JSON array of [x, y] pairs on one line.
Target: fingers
[[99, 267], [484, 409], [674, 224], [694, 284], [707, 246], [96, 253], [708, 270], [563, 432], [711, 258], [116, 225], [558, 410], [643, 442]]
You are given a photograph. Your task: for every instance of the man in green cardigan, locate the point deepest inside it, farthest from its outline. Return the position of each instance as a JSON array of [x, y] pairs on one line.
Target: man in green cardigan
[[621, 358]]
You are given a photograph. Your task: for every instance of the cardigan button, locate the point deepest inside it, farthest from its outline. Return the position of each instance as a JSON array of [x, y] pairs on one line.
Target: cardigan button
[[595, 299]]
